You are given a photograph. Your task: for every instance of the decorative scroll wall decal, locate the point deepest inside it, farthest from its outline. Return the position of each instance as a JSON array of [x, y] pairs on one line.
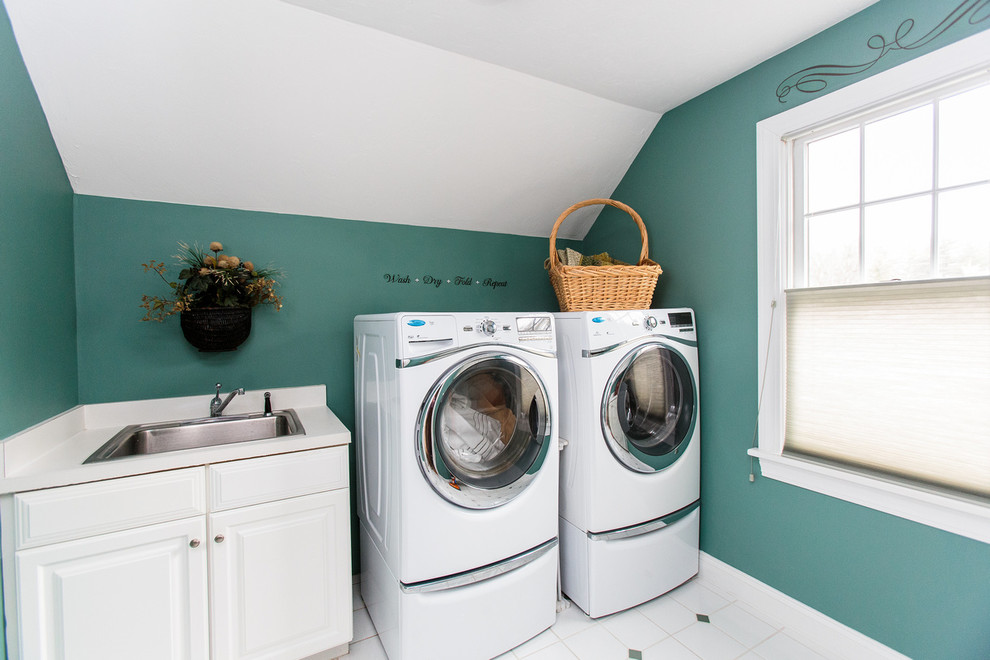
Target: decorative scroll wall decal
[[816, 78]]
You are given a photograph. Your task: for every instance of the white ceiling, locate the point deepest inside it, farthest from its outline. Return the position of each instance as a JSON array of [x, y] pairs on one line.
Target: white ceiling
[[492, 115]]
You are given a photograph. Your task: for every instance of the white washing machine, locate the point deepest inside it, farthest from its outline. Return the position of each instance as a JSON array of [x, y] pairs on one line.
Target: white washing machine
[[457, 474], [630, 465]]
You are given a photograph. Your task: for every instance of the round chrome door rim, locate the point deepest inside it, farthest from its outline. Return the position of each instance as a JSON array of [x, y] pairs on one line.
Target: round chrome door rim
[[459, 492], [616, 446]]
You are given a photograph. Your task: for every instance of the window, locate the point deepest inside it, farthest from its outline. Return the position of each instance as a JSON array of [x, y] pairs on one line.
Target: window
[[900, 193], [874, 281]]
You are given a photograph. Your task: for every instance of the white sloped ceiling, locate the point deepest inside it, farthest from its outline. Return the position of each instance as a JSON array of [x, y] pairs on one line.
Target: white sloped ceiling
[[491, 115]]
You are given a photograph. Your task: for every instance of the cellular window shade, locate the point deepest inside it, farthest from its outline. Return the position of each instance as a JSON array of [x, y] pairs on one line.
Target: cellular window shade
[[894, 378]]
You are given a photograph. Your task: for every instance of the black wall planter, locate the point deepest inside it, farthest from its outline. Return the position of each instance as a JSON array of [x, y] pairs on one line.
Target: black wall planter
[[213, 329]]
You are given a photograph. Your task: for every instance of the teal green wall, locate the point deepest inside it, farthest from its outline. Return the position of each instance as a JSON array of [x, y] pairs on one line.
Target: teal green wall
[[924, 592], [37, 305], [38, 376], [334, 270]]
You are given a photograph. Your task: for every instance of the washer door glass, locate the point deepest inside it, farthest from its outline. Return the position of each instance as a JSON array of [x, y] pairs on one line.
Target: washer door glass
[[649, 408], [484, 431]]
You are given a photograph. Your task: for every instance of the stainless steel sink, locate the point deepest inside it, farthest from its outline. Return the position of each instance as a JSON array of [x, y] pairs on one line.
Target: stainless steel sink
[[140, 439]]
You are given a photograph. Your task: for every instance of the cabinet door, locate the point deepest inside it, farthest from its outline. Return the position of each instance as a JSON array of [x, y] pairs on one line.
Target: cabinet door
[[140, 593], [281, 577]]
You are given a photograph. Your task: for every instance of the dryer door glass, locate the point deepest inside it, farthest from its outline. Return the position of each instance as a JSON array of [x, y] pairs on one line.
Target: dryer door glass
[[484, 431], [649, 408]]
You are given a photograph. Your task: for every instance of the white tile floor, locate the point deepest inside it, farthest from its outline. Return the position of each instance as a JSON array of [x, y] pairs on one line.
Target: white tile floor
[[666, 628]]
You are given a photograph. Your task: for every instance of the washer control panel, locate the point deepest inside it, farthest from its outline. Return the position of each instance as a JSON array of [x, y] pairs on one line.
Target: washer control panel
[[425, 334], [510, 328]]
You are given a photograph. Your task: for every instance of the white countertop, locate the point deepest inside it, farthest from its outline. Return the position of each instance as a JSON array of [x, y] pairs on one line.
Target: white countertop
[[52, 453]]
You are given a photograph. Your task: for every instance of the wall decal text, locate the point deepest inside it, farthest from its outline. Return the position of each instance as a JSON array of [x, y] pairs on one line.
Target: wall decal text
[[436, 281]]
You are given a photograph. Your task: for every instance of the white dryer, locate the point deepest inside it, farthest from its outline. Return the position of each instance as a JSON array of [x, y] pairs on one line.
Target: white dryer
[[457, 473], [630, 466]]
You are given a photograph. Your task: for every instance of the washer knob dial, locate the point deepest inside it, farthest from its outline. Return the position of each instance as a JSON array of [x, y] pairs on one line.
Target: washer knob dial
[[488, 327], [651, 322]]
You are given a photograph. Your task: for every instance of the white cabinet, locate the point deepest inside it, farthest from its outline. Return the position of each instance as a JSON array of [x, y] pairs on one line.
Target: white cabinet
[[246, 559], [138, 593], [276, 577]]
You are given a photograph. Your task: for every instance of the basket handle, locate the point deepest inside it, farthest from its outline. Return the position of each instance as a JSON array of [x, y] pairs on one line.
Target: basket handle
[[555, 260]]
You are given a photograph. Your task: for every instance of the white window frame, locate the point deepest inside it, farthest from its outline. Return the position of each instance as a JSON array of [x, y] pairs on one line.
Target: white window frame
[[968, 517]]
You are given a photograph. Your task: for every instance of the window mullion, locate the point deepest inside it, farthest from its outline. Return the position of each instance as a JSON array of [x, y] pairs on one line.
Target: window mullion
[[934, 265], [799, 222], [887, 200], [862, 202]]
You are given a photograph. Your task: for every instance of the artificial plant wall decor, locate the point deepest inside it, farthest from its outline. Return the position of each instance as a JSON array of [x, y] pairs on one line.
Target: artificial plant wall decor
[[214, 296]]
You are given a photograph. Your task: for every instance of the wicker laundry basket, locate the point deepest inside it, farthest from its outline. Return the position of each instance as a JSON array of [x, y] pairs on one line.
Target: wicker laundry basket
[[595, 288]]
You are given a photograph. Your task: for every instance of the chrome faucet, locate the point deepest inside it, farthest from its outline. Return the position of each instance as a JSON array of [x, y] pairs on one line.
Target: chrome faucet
[[217, 406]]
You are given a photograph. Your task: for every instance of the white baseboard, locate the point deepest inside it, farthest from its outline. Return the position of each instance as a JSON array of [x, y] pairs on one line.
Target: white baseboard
[[805, 624]]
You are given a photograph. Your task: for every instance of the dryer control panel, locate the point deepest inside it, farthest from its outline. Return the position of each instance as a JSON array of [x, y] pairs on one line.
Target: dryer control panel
[[612, 327]]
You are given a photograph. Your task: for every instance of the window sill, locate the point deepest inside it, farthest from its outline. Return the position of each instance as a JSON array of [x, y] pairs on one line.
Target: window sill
[[966, 517]]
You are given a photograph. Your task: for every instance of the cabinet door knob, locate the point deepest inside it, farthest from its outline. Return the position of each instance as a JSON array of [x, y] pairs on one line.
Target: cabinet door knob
[[218, 538], [194, 543]]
